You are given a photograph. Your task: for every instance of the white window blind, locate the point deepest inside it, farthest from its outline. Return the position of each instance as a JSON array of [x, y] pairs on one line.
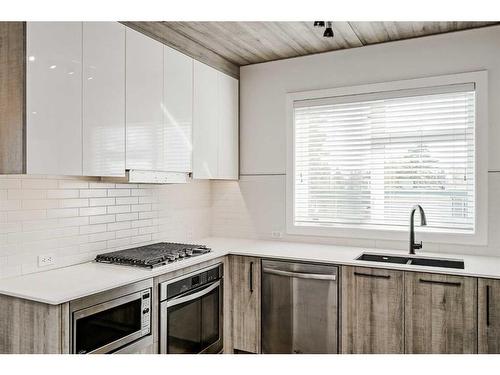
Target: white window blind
[[363, 161]]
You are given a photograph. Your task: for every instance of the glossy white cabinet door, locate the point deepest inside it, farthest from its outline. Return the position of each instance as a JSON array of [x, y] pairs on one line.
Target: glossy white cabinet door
[[205, 122], [103, 99], [178, 110], [54, 98], [145, 128], [228, 161]]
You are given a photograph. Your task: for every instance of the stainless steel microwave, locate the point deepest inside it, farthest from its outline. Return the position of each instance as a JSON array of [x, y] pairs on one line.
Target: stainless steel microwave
[[109, 321]]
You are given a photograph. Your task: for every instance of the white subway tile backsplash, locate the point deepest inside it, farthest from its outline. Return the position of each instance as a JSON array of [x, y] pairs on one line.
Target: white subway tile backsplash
[[61, 194], [62, 212], [10, 227], [141, 223], [39, 184], [102, 219], [118, 226], [73, 184], [23, 215], [141, 192], [26, 194], [79, 217], [40, 203], [73, 221], [101, 185], [118, 209], [96, 237], [127, 200], [91, 211], [93, 193], [127, 233], [141, 207], [67, 203], [10, 205], [6, 183], [101, 202], [149, 215], [118, 192], [127, 216], [126, 186], [95, 228], [140, 239], [120, 242]]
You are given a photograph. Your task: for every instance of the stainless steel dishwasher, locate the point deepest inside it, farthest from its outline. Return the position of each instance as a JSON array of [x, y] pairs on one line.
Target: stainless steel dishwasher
[[299, 308]]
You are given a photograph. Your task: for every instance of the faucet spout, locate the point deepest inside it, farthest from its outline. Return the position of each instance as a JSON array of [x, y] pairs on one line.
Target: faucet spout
[[423, 222]]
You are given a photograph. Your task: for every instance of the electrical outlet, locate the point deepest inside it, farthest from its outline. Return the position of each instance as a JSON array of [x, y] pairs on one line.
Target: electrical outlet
[[189, 235], [276, 234], [46, 260]]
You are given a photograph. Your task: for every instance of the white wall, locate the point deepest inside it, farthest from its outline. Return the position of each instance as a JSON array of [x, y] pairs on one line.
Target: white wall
[[77, 218], [255, 206]]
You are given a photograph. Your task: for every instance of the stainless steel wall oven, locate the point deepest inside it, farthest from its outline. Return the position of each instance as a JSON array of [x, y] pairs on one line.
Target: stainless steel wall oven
[[191, 312], [108, 322]]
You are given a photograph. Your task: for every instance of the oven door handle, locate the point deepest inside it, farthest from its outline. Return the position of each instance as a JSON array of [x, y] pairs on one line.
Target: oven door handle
[[193, 296]]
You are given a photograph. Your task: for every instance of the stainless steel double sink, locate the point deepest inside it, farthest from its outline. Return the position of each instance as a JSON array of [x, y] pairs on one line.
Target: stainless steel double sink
[[412, 260]]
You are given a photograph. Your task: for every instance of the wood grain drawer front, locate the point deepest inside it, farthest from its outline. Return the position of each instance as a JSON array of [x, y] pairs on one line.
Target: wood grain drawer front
[[488, 316], [246, 300], [440, 313], [372, 310]]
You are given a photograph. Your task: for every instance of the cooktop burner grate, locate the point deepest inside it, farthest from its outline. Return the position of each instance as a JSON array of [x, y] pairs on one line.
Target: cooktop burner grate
[[154, 255]]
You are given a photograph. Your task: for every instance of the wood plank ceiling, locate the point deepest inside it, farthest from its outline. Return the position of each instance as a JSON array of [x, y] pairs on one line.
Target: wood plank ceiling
[[234, 44]]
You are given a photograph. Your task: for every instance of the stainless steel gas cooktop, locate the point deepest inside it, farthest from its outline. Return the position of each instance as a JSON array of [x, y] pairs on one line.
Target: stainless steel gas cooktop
[[154, 255]]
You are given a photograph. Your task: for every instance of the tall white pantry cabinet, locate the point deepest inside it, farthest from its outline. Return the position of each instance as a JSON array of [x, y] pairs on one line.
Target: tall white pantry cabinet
[[102, 98]]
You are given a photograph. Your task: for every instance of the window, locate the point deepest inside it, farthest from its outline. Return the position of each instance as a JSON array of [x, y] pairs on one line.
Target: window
[[361, 161]]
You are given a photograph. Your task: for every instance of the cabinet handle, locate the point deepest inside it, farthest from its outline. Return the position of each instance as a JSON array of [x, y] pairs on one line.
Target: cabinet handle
[[250, 277], [487, 305], [362, 274], [448, 283]]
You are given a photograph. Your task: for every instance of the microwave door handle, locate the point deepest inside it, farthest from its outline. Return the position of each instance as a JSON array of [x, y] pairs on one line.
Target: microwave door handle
[[193, 296]]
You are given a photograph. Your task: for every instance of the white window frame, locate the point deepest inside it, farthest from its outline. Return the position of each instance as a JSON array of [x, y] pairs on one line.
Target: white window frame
[[480, 234]]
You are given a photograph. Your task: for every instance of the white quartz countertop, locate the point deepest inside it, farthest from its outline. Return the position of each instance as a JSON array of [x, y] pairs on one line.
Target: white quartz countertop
[[69, 283]]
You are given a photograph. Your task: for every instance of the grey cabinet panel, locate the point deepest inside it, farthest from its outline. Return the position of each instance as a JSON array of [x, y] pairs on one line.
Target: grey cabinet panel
[[12, 97], [440, 313], [372, 310], [488, 316], [245, 279], [28, 327]]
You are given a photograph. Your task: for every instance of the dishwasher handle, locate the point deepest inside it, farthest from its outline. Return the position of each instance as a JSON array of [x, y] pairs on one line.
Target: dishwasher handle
[[300, 275]]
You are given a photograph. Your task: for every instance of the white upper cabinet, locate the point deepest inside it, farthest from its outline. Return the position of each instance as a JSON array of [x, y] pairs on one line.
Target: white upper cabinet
[[205, 122], [178, 110], [145, 127], [54, 98], [228, 161], [103, 99], [215, 124]]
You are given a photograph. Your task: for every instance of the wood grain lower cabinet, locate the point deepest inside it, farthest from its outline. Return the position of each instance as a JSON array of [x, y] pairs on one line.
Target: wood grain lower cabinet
[[245, 279], [29, 327], [488, 316], [440, 313], [372, 310]]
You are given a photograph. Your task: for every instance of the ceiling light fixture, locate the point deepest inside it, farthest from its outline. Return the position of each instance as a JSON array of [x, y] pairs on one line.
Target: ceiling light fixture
[[328, 31]]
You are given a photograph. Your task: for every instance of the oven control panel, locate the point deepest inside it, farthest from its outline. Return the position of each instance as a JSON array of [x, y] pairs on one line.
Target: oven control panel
[[192, 282], [146, 311]]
